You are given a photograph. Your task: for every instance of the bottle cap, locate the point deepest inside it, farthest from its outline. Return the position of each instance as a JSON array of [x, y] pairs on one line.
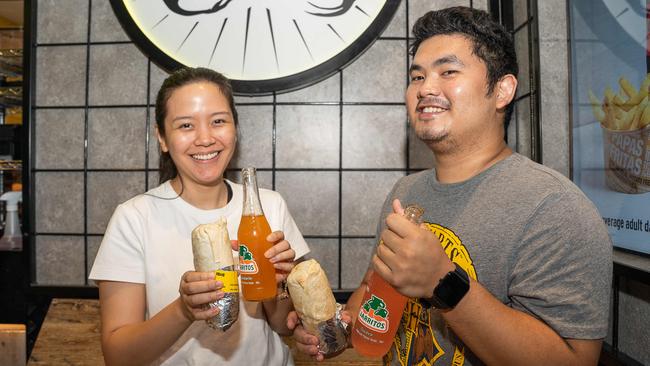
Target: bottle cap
[[413, 212]]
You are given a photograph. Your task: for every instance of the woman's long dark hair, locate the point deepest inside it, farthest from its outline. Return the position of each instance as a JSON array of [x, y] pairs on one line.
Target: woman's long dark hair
[[176, 80]]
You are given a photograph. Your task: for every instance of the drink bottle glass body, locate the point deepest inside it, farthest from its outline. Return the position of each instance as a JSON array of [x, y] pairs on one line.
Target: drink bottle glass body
[[381, 309], [257, 273]]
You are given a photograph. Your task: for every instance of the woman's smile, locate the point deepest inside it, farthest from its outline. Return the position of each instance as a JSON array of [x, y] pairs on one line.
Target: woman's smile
[[205, 156]]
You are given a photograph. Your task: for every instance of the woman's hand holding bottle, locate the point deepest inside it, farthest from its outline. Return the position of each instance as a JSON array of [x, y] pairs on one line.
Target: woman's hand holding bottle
[[281, 255]]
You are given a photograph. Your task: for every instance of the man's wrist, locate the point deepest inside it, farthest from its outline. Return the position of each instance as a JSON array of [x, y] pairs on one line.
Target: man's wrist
[[450, 289]]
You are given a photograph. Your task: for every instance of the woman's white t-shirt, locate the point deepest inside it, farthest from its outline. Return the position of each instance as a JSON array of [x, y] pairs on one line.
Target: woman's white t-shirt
[[148, 241]]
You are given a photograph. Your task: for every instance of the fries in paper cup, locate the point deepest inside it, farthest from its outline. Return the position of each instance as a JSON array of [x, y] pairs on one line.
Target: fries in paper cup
[[625, 120]]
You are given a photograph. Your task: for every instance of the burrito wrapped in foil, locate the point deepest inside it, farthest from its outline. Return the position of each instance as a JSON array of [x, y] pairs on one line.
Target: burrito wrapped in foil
[[315, 304], [213, 253]]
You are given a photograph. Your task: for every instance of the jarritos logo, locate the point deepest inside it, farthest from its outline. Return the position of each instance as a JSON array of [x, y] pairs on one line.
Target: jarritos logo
[[247, 263], [374, 314]]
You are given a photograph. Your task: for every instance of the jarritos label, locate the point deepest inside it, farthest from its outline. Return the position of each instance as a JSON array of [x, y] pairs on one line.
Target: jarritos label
[[247, 263], [374, 314]]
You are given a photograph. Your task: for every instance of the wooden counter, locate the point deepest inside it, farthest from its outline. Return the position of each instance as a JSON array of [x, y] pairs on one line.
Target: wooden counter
[[12, 344], [70, 335]]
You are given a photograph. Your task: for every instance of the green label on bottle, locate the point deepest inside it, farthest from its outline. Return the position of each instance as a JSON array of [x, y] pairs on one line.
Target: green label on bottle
[[374, 314]]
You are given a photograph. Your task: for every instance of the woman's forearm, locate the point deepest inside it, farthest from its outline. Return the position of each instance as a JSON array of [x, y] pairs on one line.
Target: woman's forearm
[[142, 343]]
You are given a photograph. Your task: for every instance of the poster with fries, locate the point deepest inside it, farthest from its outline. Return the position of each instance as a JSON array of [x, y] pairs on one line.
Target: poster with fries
[[611, 117]]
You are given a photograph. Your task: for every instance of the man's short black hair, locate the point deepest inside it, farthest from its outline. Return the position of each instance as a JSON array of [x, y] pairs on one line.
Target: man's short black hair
[[493, 44]]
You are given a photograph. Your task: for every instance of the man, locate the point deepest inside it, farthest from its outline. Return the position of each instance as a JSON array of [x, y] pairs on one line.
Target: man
[[512, 265]]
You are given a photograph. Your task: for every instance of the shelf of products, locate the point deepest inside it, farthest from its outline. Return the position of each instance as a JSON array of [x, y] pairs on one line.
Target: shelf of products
[[11, 96], [11, 63], [11, 113], [11, 165], [11, 91]]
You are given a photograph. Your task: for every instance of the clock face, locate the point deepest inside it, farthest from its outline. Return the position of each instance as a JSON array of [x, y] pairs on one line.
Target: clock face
[[261, 45]]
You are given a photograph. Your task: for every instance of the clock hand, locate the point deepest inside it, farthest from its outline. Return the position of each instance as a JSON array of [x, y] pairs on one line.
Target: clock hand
[[160, 21], [275, 51], [188, 35], [335, 32], [223, 25], [248, 21], [303, 39]]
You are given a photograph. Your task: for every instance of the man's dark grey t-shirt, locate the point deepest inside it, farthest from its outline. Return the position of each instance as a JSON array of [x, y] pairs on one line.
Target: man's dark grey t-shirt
[[528, 235]]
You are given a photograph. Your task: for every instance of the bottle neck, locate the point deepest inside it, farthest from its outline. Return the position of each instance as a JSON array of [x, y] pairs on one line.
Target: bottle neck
[[252, 205], [414, 213]]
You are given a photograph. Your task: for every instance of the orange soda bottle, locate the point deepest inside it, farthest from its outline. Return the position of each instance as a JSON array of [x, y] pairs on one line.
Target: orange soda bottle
[[381, 309], [256, 271]]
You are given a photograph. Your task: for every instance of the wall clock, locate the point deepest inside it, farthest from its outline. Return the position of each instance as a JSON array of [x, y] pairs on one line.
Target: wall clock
[[261, 45]]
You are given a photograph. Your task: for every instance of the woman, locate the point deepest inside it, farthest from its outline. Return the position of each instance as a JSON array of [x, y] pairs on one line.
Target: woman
[[151, 300]]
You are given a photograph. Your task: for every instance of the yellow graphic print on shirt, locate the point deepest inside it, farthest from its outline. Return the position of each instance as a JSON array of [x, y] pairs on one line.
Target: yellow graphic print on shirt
[[417, 342]]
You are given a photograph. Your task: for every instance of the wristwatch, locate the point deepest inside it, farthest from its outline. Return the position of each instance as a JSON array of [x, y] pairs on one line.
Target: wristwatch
[[449, 291]]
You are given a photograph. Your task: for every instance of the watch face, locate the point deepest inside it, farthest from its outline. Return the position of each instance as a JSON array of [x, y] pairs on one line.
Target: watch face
[[451, 289], [261, 45]]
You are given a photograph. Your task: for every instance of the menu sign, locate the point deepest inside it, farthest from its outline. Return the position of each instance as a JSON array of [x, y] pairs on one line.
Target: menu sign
[[611, 114]]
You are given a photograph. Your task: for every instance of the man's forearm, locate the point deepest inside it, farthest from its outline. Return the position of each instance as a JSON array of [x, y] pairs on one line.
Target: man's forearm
[[500, 335]]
